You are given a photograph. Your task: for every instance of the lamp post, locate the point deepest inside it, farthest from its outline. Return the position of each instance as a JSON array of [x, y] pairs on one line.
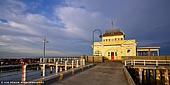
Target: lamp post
[[44, 42], [93, 40]]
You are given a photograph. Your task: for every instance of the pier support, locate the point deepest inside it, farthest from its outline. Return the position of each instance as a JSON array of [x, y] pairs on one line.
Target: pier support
[[140, 75], [147, 76], [166, 77], [158, 74], [154, 76]]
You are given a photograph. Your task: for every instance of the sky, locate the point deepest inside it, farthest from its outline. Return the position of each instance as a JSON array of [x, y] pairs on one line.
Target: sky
[[68, 25]]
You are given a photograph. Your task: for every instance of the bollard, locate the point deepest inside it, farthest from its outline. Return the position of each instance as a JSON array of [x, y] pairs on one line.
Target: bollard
[[72, 64], [56, 68], [65, 65], [77, 63]]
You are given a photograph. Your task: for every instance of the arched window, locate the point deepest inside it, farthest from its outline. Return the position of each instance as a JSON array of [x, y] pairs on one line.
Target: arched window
[[128, 52]]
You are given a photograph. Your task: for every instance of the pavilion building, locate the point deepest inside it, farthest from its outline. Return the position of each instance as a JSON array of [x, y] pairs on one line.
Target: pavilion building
[[113, 46]]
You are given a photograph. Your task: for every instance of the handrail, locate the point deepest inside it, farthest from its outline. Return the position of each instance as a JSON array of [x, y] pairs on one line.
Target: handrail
[[26, 72], [147, 62]]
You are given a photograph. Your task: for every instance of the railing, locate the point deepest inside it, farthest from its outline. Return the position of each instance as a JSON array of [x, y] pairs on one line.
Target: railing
[[147, 62], [26, 72]]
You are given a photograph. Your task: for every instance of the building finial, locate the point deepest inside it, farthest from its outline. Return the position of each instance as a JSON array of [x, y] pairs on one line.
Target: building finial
[[112, 23]]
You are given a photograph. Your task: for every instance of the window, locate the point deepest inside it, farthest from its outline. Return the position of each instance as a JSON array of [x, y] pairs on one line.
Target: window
[[128, 52], [115, 53], [98, 53], [108, 53]]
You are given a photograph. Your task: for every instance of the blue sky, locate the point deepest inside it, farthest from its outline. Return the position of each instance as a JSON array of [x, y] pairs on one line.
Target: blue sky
[[68, 24]]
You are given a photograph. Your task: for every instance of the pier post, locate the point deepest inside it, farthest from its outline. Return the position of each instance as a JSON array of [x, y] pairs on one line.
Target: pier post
[[56, 67], [166, 77], [154, 76], [143, 76], [140, 75], [77, 63], [158, 74], [72, 64], [66, 65], [147, 76]]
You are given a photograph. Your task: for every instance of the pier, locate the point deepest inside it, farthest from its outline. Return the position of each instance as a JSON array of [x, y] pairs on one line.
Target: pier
[[107, 73], [88, 70]]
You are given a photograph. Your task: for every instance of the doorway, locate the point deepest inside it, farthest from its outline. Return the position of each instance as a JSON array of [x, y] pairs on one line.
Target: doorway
[[112, 56]]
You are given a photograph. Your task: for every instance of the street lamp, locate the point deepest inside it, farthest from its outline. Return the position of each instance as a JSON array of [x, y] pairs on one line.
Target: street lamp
[[93, 40], [44, 42]]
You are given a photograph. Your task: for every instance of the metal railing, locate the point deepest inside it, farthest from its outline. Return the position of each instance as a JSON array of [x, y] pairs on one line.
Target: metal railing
[[147, 62], [25, 72]]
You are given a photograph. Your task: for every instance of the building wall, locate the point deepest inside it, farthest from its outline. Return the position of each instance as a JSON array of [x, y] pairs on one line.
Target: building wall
[[119, 47]]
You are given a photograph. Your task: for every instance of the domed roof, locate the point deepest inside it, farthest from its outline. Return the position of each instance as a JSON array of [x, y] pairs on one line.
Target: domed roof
[[113, 32]]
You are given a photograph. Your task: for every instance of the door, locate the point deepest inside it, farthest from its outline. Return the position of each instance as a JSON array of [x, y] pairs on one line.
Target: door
[[112, 56]]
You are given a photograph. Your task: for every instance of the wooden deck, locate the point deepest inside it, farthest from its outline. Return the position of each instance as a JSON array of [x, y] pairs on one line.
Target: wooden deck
[[107, 73]]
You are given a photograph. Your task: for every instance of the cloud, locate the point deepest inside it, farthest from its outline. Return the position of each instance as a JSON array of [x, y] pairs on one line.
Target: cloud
[[69, 24], [80, 22]]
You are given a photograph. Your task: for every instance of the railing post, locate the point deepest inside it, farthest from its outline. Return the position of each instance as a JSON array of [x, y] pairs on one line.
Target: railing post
[[43, 68], [144, 62], [133, 62], [83, 62], [77, 63], [125, 62], [56, 67], [65, 65], [156, 62], [72, 64], [24, 72]]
